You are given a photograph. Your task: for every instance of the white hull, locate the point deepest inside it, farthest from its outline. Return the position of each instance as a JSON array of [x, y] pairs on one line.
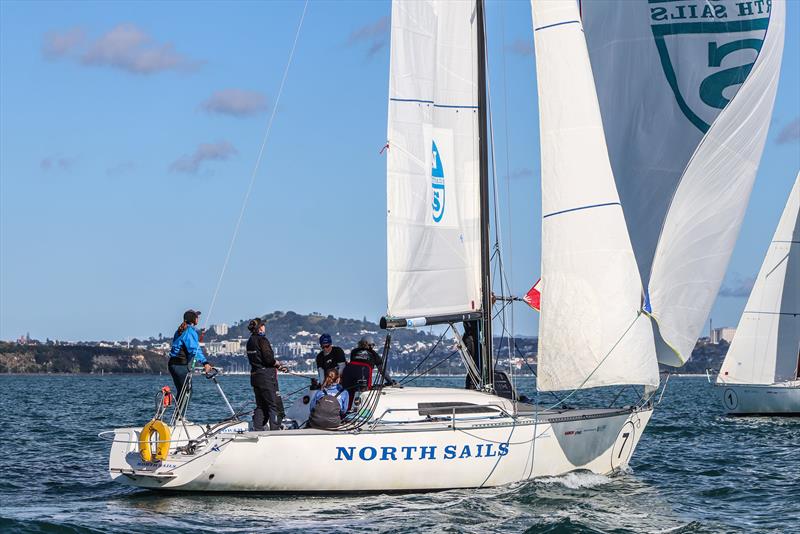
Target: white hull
[[396, 453], [754, 399]]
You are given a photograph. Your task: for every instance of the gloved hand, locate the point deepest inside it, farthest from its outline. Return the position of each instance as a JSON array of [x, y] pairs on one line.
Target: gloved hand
[[314, 383], [283, 369]]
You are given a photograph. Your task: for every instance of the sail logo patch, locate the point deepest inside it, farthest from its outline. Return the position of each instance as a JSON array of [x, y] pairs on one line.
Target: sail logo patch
[[437, 184], [707, 50]]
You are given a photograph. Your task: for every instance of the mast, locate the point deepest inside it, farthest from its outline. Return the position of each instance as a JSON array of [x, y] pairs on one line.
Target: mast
[[483, 150]]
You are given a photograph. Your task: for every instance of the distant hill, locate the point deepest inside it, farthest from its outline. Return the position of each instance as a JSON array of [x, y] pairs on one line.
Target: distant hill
[[411, 348], [286, 327], [704, 356], [16, 358]]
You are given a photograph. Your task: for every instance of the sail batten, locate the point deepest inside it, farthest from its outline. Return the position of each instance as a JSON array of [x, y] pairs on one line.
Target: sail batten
[[433, 209], [592, 331]]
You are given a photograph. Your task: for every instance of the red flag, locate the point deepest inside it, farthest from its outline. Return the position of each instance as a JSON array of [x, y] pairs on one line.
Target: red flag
[[533, 296]]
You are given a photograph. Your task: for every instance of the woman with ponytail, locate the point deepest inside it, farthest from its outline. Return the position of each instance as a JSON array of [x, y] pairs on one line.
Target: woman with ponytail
[[329, 404], [269, 412], [185, 349]]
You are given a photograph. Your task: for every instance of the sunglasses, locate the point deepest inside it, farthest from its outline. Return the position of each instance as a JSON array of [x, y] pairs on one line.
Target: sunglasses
[[326, 345]]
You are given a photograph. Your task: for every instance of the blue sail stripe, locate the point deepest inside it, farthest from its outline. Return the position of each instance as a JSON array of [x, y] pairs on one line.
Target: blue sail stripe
[[582, 208], [557, 24], [417, 101], [771, 313]]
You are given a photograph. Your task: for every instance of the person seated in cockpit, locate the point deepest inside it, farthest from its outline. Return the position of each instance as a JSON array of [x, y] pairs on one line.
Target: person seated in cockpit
[[357, 375], [329, 403]]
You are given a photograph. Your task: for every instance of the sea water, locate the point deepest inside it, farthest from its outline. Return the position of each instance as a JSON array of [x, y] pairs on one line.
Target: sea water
[[695, 470]]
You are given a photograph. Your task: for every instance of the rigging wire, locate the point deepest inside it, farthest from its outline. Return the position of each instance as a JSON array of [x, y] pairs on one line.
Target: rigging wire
[[256, 166], [430, 352], [496, 205], [432, 367], [510, 270]]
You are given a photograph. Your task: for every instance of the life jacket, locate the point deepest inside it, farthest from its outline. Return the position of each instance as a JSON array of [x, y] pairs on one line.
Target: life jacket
[[326, 414]]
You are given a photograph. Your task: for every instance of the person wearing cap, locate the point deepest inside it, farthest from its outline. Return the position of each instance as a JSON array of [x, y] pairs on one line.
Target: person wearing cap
[[264, 378], [330, 357], [185, 350], [357, 375]]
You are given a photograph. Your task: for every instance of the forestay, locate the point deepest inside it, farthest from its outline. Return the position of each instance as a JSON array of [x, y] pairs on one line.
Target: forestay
[[433, 205], [686, 91], [591, 330], [767, 341]]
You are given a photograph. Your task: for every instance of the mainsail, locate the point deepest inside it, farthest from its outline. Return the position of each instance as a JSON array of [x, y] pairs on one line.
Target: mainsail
[[686, 91], [433, 219], [592, 331], [767, 341]]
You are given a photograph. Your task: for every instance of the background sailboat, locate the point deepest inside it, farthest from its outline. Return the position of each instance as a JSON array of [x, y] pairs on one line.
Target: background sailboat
[[761, 372]]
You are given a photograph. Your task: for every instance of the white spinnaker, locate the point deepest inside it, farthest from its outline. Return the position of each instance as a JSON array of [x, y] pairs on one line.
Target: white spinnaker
[[767, 341], [433, 209], [686, 92], [591, 330]]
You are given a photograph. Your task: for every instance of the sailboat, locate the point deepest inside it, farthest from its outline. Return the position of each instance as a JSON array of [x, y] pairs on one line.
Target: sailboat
[[602, 323], [761, 371]]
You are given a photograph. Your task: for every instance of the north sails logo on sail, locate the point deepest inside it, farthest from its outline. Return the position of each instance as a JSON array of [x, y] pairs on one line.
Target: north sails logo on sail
[[727, 35], [437, 184]]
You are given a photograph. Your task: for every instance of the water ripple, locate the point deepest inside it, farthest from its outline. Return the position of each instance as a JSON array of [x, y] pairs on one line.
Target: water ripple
[[695, 471]]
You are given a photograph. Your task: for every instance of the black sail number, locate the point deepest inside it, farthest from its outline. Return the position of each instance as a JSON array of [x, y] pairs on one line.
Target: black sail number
[[623, 446], [626, 435]]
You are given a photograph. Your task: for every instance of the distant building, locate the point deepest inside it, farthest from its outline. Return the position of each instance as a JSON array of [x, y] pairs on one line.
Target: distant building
[[227, 347], [725, 333], [220, 329]]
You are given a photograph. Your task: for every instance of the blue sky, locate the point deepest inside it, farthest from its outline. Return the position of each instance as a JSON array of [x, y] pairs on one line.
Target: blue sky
[[129, 131]]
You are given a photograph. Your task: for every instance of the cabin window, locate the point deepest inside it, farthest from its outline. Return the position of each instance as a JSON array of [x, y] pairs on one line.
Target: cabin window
[[447, 408]]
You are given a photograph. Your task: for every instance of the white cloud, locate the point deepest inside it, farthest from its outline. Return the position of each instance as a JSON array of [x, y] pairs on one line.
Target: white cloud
[[374, 35], [126, 47], [56, 163], [522, 47], [789, 133], [737, 286], [236, 102], [190, 164], [60, 43]]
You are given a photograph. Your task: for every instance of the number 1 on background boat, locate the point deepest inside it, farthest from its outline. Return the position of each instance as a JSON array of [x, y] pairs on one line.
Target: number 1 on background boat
[[614, 250]]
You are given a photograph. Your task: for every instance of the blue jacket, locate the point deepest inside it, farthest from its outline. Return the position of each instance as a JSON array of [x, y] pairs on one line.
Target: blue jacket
[[333, 389], [188, 340]]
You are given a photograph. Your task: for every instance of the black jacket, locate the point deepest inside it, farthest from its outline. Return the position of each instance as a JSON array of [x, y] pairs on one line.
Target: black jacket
[[354, 373], [260, 353], [367, 356], [326, 362]]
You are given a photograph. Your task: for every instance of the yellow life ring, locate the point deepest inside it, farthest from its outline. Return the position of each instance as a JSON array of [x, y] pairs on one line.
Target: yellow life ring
[[162, 447]]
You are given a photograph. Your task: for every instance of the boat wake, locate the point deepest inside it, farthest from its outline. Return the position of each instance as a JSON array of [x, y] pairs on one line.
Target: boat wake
[[577, 480]]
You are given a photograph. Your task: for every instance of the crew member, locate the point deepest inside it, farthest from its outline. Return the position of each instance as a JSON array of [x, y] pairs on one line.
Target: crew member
[[264, 378], [329, 404], [186, 350], [357, 375], [329, 357]]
